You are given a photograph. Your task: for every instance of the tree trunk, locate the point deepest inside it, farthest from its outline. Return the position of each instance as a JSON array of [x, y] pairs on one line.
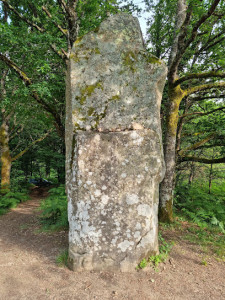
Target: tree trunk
[[167, 185], [6, 160], [47, 167], [192, 172], [175, 96], [210, 178]]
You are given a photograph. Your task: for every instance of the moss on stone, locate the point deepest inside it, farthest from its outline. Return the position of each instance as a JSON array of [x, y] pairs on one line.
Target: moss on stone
[[87, 91], [97, 51], [129, 60], [78, 40], [91, 111], [153, 59], [74, 57], [115, 98]]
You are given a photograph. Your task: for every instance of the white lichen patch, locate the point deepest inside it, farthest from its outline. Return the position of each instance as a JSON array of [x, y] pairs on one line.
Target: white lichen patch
[[117, 223], [97, 138], [138, 226], [132, 199], [125, 245], [137, 234], [105, 199], [134, 135], [114, 241], [97, 193], [104, 187], [144, 210]]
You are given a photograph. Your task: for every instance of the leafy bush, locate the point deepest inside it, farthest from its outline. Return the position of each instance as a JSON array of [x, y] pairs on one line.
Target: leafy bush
[[54, 210], [202, 208], [10, 200]]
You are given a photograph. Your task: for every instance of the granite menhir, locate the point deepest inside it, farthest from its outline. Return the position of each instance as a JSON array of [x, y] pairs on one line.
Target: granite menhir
[[114, 159]]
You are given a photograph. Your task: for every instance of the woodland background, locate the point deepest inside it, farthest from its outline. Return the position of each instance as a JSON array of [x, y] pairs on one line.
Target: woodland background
[[35, 45]]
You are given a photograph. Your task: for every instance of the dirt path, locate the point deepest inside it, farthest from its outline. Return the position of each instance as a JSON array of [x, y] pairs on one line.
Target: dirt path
[[28, 269]]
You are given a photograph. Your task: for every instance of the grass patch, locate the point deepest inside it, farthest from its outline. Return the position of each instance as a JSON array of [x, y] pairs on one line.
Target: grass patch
[[211, 241], [62, 259], [209, 238]]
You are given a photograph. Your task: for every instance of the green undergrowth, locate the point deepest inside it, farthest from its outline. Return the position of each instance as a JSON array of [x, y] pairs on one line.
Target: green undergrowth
[[201, 216], [62, 259], [197, 205], [54, 210], [11, 200], [154, 260], [210, 239]]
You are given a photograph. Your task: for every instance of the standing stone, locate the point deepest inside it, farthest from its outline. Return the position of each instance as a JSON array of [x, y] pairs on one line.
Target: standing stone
[[114, 148]]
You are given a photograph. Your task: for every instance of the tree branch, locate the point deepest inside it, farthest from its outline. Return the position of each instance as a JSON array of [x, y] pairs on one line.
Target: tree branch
[[203, 160], [208, 45], [199, 75], [64, 31], [195, 99], [200, 22], [203, 87], [22, 17], [63, 5], [184, 46], [31, 145], [63, 55], [202, 113], [34, 94], [197, 145]]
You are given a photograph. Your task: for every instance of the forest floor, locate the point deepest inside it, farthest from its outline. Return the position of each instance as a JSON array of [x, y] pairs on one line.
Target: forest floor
[[28, 268]]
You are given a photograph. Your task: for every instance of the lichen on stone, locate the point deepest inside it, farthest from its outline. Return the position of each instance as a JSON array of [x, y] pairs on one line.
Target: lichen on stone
[[86, 91], [114, 167], [129, 59]]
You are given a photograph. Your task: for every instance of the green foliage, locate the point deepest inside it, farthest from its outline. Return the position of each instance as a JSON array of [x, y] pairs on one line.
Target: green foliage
[[62, 259], [202, 208], [11, 200], [143, 264], [54, 210], [210, 239], [164, 250]]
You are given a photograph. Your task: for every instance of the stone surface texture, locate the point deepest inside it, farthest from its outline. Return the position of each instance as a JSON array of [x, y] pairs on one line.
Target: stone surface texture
[[114, 150]]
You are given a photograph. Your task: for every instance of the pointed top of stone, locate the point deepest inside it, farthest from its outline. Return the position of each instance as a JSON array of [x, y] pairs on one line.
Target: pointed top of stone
[[115, 82]]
